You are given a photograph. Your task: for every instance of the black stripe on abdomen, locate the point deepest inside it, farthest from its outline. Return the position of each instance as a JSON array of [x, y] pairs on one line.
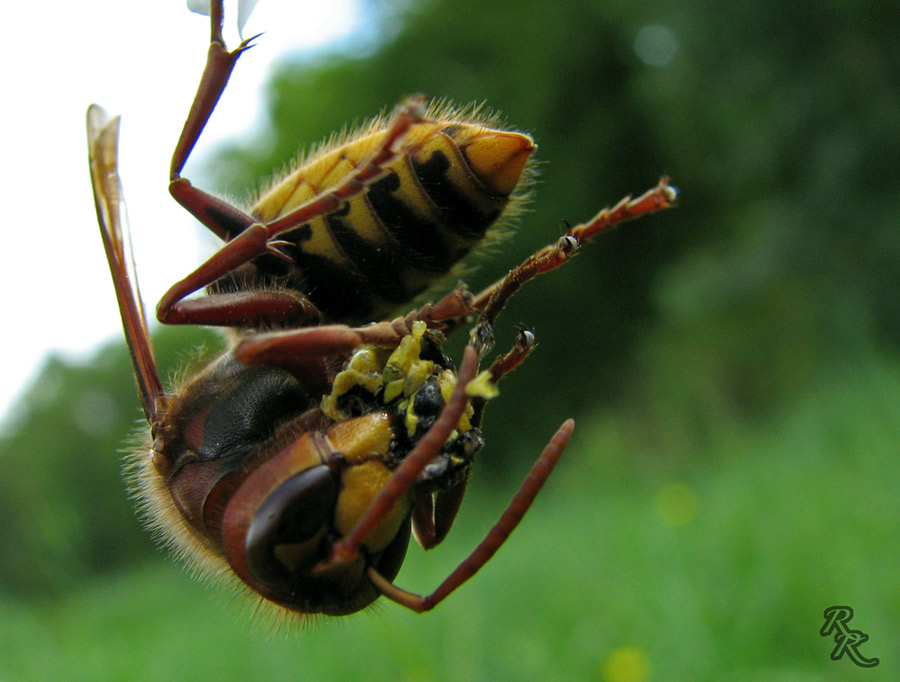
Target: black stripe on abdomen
[[463, 215]]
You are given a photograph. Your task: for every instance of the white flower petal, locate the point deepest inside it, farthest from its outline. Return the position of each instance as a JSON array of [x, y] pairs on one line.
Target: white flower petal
[[244, 9], [199, 6]]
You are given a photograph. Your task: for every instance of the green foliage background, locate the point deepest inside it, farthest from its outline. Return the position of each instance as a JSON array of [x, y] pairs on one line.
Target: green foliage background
[[732, 367]]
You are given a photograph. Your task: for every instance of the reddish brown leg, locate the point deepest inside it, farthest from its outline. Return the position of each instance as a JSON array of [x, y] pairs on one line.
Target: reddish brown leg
[[492, 300], [505, 364], [284, 349], [217, 215], [239, 309], [495, 537], [451, 310], [220, 217], [219, 65], [244, 309], [246, 238], [370, 170], [433, 515], [255, 239], [305, 352]]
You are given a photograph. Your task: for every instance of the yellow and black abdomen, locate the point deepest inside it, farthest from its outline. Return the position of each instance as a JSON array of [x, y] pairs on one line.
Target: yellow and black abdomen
[[451, 182]]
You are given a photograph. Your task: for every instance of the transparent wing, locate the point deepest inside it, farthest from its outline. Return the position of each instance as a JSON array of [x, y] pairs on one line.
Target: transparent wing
[[103, 141]]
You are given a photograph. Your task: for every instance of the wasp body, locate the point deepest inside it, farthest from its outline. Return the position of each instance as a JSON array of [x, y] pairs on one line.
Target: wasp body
[[300, 459], [360, 228], [452, 179], [237, 435]]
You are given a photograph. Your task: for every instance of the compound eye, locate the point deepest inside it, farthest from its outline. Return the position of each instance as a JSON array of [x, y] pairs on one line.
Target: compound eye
[[244, 411], [286, 531]]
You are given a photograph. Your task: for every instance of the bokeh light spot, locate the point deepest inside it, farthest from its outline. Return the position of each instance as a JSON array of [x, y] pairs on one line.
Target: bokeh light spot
[[626, 664], [676, 504], [655, 45]]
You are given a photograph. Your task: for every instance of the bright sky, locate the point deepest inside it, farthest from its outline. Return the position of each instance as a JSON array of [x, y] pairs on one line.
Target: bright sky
[[143, 61]]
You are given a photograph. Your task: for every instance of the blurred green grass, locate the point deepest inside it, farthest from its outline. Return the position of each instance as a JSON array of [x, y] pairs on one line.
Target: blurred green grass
[[632, 565]]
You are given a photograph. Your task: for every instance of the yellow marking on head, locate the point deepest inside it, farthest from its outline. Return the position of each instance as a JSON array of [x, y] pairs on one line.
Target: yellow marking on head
[[360, 485], [363, 436]]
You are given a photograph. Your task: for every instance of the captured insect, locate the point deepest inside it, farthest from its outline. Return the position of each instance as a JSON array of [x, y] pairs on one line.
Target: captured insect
[[300, 460]]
